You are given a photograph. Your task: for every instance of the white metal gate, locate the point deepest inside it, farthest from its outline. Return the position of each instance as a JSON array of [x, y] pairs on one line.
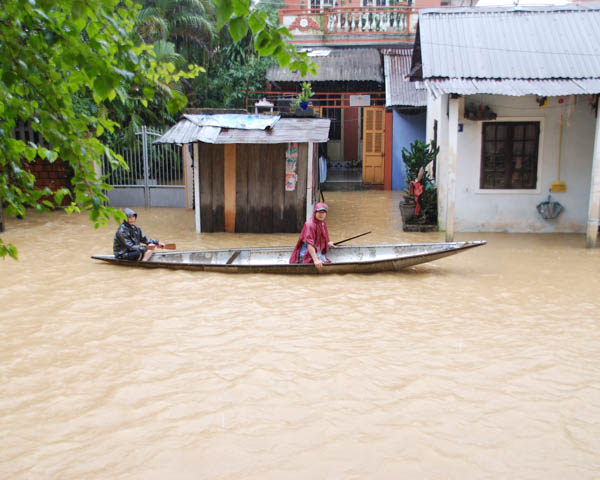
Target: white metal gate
[[155, 177]]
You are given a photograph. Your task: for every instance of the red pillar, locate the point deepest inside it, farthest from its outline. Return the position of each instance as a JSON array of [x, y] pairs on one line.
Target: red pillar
[[389, 142]]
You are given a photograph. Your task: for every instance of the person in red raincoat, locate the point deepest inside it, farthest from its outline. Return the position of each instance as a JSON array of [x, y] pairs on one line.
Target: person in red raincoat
[[313, 242], [416, 188]]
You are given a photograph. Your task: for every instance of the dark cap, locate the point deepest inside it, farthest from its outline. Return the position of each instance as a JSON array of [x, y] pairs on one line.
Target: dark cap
[[129, 212]]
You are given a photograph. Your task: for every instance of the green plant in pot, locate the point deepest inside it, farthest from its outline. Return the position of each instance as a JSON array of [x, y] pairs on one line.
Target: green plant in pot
[[420, 203], [305, 95]]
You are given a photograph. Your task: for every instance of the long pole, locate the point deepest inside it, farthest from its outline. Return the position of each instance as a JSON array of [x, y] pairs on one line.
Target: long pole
[[351, 238], [146, 167]]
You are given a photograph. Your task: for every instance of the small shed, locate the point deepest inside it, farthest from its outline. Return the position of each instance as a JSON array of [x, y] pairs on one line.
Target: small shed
[[251, 173]]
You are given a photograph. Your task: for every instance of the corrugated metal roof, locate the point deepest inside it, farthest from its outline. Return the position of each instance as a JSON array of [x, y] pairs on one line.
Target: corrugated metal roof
[[244, 121], [544, 88], [399, 90], [458, 47], [283, 130], [343, 65]]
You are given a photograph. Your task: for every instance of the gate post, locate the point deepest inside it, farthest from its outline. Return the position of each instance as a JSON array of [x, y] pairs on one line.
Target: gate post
[[145, 156]]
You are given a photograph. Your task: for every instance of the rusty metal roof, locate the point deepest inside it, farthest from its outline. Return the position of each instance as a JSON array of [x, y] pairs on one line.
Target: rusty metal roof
[[509, 51], [199, 128], [399, 90], [341, 65]]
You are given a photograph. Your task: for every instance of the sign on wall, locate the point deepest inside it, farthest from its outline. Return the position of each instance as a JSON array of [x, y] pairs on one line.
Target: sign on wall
[[291, 160], [360, 100]]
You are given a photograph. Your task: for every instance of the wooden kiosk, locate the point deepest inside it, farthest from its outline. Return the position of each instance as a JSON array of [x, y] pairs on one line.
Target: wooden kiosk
[[251, 173]]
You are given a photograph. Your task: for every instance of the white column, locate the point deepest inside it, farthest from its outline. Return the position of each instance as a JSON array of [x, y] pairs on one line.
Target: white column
[[309, 181], [431, 116], [197, 188], [439, 113], [594, 207], [454, 105]]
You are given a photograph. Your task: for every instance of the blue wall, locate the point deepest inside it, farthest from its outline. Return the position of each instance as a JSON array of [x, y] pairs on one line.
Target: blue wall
[[407, 129]]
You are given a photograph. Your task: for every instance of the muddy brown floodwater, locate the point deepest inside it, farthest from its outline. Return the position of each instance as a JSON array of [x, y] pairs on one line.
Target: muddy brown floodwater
[[481, 365]]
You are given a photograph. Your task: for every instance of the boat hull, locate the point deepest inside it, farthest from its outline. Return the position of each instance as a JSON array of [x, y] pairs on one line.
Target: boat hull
[[345, 259]]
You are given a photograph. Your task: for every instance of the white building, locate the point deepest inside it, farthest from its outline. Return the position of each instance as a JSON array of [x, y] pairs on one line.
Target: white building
[[501, 82]]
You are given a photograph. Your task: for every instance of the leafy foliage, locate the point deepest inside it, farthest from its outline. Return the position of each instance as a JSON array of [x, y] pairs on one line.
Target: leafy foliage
[[234, 71], [190, 25], [306, 93], [416, 161], [80, 74], [62, 64], [269, 38]]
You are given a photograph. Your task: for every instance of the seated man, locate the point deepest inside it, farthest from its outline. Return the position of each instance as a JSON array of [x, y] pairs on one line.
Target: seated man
[[130, 242]]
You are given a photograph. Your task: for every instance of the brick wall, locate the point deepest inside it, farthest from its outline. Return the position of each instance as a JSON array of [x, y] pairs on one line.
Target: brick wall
[[52, 175]]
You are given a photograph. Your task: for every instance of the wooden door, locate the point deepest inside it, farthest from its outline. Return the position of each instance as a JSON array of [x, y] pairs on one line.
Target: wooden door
[[373, 145]]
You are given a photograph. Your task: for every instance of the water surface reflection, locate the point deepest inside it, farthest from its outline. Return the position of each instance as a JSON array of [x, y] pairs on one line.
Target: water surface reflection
[[481, 365]]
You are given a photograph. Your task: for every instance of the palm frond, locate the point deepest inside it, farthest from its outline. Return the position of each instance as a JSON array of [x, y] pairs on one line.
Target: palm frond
[[164, 51]]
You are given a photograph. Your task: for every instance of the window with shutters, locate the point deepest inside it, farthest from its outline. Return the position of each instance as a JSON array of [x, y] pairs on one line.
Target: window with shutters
[[509, 155], [374, 125]]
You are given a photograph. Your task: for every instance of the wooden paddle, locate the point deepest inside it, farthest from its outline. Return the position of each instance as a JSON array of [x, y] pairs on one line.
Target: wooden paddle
[[351, 238], [169, 246]]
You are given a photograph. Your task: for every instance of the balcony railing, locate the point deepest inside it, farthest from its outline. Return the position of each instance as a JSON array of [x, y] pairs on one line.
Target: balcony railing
[[281, 100], [348, 21]]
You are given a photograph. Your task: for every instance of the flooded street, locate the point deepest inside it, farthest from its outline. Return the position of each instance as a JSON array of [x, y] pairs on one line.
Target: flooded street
[[485, 364]]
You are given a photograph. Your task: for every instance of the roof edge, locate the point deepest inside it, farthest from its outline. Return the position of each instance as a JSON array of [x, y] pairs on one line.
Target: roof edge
[[519, 8]]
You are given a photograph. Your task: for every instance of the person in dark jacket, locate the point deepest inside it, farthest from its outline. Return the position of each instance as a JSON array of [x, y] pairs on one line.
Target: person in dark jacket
[[130, 242]]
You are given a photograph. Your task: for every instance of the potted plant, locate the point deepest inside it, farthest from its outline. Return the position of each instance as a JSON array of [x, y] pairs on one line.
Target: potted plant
[[305, 95], [419, 209]]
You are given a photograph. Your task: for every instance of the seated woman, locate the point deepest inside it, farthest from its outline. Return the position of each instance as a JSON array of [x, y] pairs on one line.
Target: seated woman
[[313, 242]]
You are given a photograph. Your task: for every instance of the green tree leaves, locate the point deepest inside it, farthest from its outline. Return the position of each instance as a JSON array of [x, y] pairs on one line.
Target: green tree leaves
[[62, 65], [269, 37], [74, 71]]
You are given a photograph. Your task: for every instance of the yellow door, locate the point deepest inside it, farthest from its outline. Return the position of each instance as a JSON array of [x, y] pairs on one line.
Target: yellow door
[[373, 142]]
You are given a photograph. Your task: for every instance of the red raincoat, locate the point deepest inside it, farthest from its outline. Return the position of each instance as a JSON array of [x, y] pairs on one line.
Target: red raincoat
[[416, 188], [313, 233]]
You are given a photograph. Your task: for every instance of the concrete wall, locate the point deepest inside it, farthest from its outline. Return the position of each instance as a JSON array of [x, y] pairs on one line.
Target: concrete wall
[[515, 210], [407, 129]]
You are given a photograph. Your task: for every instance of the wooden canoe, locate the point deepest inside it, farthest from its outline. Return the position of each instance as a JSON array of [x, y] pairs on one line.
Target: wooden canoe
[[345, 259]]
